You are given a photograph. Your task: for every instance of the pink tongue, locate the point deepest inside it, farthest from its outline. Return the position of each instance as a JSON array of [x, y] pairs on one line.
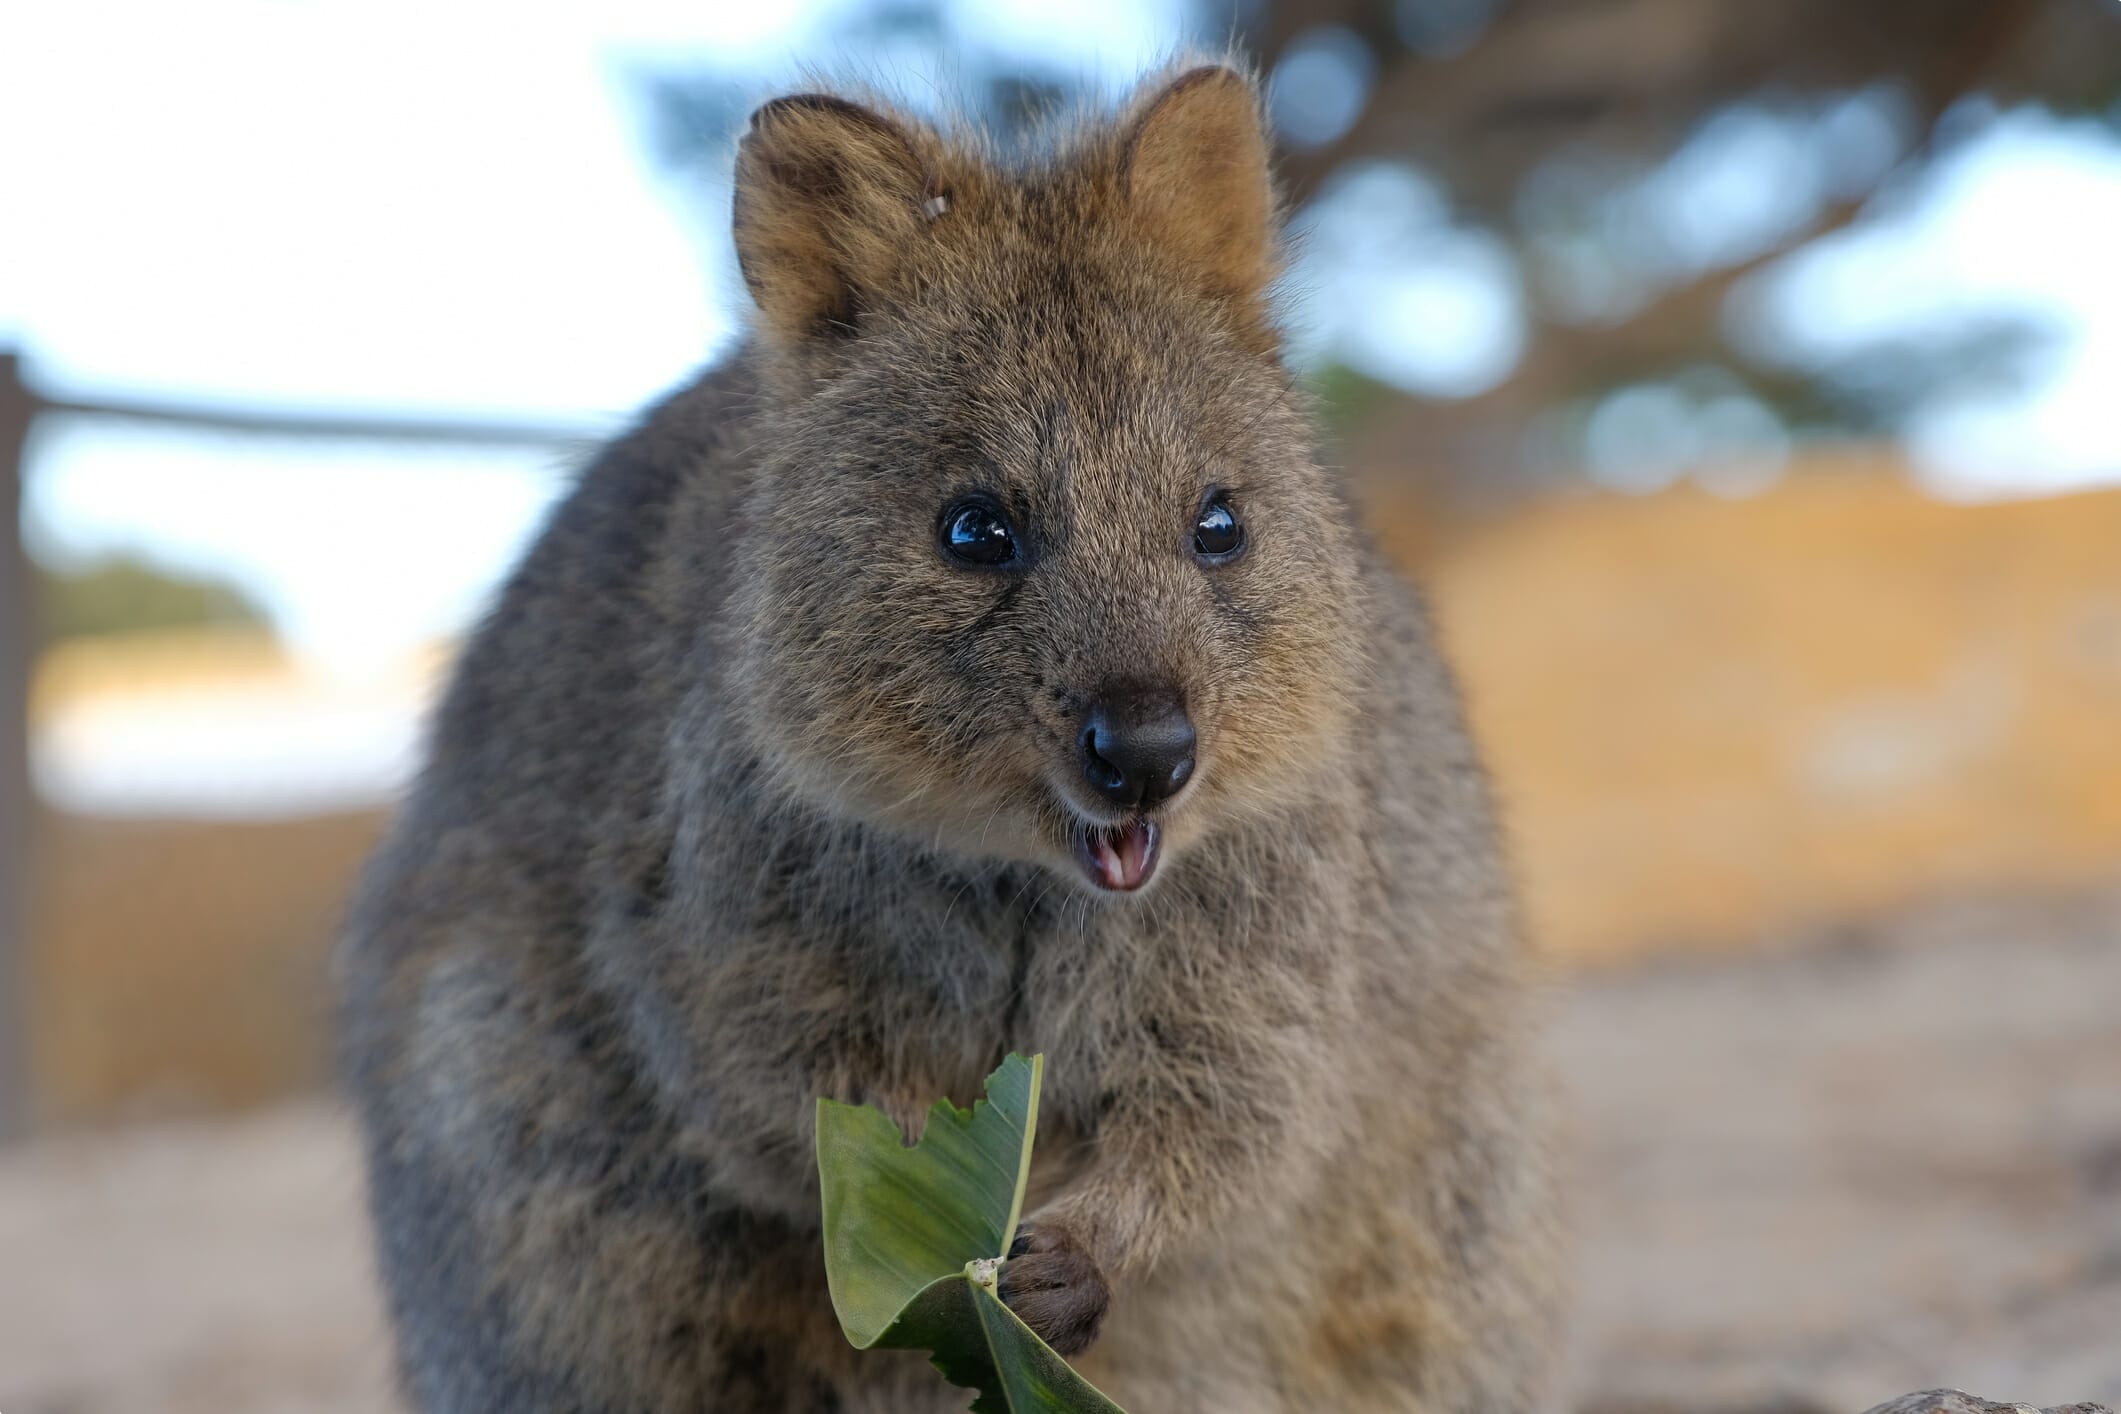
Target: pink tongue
[[1123, 856]]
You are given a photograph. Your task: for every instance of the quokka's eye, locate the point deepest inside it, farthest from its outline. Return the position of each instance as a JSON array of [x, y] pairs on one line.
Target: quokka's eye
[[1218, 535], [976, 532]]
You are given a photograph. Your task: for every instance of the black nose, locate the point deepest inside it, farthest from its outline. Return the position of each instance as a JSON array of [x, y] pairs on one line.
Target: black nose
[[1137, 746]]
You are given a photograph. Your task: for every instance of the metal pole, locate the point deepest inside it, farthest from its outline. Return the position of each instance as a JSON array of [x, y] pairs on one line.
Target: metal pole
[[18, 627]]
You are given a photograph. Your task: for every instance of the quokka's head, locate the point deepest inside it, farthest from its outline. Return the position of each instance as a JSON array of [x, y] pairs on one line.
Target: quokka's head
[[1039, 564]]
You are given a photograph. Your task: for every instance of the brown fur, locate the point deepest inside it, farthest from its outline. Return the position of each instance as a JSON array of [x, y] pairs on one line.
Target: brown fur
[[745, 795]]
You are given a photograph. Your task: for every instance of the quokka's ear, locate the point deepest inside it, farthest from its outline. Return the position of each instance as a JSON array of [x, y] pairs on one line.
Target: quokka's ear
[[1195, 170], [828, 196]]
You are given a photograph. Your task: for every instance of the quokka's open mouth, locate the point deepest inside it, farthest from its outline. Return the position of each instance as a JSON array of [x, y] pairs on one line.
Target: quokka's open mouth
[[1119, 858]]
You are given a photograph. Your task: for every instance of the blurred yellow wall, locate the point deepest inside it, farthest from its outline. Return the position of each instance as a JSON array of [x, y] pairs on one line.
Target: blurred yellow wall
[[183, 964], [1715, 719]]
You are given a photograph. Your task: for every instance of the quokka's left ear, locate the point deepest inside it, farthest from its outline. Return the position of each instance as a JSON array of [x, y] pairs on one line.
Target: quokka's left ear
[[1195, 169]]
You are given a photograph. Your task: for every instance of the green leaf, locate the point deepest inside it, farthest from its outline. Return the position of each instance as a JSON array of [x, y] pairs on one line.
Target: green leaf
[[914, 1238]]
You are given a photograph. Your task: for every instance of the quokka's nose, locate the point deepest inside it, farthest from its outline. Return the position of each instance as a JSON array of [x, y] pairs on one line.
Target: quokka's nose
[[1137, 746]]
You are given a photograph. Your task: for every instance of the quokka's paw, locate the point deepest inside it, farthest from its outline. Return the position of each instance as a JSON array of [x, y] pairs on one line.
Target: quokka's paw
[[1054, 1287]]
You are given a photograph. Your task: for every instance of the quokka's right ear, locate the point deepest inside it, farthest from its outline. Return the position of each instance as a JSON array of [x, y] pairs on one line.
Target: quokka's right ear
[[1195, 170], [828, 197]]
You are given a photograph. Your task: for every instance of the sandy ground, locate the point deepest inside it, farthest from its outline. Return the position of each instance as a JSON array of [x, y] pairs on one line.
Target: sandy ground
[[1888, 1162], [1817, 1177]]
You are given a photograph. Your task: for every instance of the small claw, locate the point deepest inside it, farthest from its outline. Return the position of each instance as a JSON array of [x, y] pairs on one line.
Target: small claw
[[1055, 1288]]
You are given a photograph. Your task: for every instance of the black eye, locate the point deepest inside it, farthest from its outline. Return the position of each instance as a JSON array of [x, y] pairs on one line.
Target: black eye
[[977, 533], [1218, 535]]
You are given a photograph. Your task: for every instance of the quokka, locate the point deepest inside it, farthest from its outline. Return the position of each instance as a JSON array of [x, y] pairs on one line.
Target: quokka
[[977, 661]]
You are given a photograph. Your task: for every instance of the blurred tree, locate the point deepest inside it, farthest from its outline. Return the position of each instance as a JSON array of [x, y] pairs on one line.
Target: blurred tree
[[123, 594], [1557, 124], [1615, 172]]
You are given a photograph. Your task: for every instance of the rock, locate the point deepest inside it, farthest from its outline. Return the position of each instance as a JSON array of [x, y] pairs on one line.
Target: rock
[[1952, 1401]]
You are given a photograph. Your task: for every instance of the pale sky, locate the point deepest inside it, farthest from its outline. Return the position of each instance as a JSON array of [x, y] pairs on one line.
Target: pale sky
[[2027, 219], [410, 206], [391, 206]]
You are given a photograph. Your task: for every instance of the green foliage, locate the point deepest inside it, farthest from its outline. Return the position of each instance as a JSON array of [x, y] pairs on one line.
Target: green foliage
[[123, 595], [914, 1241], [1347, 396]]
